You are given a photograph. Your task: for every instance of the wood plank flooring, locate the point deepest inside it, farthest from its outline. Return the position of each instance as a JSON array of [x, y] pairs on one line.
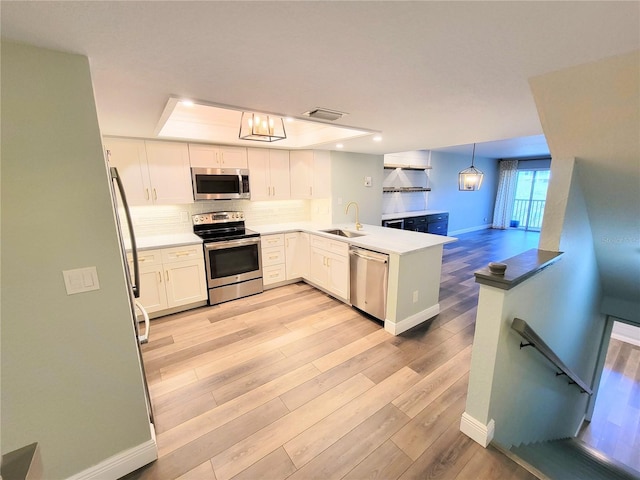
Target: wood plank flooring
[[615, 426], [294, 384]]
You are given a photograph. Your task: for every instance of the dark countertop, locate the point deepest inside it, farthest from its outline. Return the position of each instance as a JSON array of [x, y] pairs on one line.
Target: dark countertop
[[519, 268]]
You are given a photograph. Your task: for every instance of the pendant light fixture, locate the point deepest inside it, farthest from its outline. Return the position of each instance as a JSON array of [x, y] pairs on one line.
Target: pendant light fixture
[[261, 127], [470, 179]]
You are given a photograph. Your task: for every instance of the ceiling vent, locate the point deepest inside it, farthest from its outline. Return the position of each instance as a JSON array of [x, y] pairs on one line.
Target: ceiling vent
[[324, 114]]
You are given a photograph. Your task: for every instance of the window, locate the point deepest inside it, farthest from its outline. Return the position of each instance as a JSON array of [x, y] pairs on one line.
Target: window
[[530, 199]]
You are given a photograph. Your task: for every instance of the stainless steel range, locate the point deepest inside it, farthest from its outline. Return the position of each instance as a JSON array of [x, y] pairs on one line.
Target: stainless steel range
[[232, 255]]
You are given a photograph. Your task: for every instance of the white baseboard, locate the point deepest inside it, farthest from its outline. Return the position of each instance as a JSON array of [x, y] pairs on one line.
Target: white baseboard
[[626, 333], [412, 321], [477, 431], [469, 230], [122, 463]]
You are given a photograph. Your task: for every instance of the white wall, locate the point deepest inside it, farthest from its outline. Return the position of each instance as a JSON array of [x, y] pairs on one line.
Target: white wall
[[348, 171], [518, 388], [468, 211], [71, 378]]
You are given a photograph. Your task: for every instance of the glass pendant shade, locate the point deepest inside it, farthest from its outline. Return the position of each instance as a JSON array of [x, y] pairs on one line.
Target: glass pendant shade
[[470, 179], [261, 127]]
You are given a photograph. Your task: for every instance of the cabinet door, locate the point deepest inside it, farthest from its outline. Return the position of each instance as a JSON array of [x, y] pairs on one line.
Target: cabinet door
[[338, 275], [297, 255], [279, 174], [169, 172], [130, 158], [153, 296], [310, 174], [321, 174], [185, 282], [204, 156], [301, 179], [232, 157], [258, 161], [318, 273]]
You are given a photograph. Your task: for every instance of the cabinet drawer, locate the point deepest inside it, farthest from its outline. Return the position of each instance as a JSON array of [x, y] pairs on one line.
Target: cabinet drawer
[[330, 245], [178, 254], [272, 240], [439, 228], [438, 217], [273, 274], [147, 257], [272, 256]]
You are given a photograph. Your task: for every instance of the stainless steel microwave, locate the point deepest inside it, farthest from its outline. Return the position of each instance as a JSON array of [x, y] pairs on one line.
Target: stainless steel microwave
[[220, 183]]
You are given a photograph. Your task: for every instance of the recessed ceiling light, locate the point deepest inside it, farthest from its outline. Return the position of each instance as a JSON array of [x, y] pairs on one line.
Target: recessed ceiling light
[[187, 103], [339, 145], [377, 138]]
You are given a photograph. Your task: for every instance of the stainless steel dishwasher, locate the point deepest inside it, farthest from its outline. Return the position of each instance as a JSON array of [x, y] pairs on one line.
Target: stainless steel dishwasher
[[369, 276]]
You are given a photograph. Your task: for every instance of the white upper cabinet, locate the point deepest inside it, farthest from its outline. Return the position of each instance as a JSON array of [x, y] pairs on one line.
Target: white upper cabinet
[[214, 156], [130, 158], [169, 172], [310, 173], [268, 174], [153, 173]]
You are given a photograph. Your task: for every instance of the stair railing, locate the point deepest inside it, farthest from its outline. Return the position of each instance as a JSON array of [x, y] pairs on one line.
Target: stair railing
[[534, 340]]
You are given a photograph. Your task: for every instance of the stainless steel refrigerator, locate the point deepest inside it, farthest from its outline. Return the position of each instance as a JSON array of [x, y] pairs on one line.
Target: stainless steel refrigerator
[[138, 311]]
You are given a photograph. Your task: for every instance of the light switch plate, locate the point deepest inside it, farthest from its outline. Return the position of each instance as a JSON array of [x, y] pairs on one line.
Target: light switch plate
[[367, 181], [81, 280]]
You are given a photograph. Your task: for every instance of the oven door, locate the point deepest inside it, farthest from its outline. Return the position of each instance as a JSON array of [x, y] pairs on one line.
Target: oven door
[[399, 223], [232, 261]]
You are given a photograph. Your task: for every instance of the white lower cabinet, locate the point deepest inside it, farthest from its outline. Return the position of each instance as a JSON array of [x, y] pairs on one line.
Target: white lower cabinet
[[329, 265], [171, 277], [273, 259], [297, 255]]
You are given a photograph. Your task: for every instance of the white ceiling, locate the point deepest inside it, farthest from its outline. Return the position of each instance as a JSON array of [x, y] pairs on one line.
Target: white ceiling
[[426, 74]]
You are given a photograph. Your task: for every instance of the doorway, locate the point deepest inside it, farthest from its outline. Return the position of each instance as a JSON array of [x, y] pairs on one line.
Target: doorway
[[530, 199]]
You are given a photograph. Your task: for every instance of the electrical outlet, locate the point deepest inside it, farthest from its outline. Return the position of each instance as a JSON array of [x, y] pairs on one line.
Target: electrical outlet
[[415, 296], [367, 181]]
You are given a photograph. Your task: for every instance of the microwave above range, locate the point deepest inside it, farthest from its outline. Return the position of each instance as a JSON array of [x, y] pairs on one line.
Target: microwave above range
[[220, 183]]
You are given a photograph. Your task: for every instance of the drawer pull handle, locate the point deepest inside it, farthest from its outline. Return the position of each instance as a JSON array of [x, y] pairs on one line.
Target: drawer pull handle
[[182, 254]]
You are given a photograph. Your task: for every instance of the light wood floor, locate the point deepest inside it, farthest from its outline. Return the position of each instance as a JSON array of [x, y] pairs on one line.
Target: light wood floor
[[294, 384], [615, 426]]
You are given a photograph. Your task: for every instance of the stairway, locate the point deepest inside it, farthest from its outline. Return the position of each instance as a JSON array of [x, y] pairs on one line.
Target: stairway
[[572, 459]]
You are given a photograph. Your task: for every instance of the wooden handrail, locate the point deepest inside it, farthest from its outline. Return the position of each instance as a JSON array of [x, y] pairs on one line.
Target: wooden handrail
[[534, 340]]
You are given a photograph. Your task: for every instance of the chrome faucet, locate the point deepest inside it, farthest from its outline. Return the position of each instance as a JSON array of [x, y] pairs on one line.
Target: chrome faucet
[[346, 210]]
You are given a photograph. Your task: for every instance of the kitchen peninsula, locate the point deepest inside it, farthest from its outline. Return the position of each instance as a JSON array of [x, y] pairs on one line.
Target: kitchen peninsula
[[289, 251], [415, 261]]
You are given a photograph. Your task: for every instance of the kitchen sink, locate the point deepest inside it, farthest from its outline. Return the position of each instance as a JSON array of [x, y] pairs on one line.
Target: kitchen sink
[[343, 233]]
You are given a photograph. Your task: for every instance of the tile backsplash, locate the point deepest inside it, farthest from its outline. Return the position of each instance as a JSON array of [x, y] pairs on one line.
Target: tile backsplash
[[171, 219]]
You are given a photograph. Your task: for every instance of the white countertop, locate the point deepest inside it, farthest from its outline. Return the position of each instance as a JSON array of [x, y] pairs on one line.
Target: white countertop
[[418, 213], [164, 241], [380, 239]]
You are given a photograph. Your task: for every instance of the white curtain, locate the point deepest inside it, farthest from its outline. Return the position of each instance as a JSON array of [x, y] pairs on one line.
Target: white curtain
[[507, 179]]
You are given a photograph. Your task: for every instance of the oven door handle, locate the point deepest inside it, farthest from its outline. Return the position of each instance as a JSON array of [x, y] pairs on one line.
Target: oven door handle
[[230, 243]]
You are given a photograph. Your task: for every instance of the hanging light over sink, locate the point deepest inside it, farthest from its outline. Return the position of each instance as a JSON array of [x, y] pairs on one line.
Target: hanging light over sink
[[261, 127], [470, 179]]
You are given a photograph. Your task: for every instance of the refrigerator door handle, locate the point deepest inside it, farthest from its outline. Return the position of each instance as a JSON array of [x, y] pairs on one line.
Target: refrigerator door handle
[[143, 338], [134, 249]]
